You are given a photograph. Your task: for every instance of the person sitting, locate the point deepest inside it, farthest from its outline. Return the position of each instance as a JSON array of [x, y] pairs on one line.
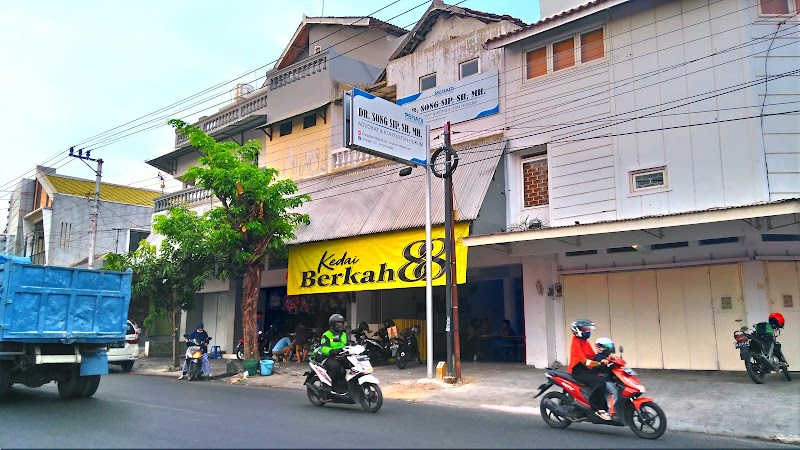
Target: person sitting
[[331, 345], [500, 343], [506, 330], [605, 348], [282, 349], [201, 336], [584, 368]]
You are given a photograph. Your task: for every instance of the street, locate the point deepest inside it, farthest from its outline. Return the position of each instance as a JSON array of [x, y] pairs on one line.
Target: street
[[155, 412]]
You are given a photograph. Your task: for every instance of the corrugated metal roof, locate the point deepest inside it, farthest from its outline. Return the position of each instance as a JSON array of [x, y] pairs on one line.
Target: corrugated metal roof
[[108, 192], [377, 199], [545, 20]]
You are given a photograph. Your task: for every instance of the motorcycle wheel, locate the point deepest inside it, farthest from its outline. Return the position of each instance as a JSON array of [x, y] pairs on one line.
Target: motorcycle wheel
[[785, 369], [194, 371], [239, 354], [5, 379], [312, 397], [649, 422], [371, 397], [550, 402], [401, 360], [754, 369]]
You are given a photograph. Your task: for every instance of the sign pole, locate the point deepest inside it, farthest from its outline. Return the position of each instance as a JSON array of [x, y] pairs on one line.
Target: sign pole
[[448, 244], [428, 263]]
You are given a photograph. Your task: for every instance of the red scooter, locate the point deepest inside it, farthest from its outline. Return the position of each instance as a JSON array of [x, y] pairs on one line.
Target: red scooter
[[559, 409]]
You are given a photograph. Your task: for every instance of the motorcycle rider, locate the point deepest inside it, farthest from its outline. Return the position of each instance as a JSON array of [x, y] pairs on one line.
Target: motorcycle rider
[[205, 367], [332, 344], [605, 348], [583, 367]]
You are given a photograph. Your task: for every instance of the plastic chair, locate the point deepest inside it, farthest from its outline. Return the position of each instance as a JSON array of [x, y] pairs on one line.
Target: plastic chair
[[214, 353]]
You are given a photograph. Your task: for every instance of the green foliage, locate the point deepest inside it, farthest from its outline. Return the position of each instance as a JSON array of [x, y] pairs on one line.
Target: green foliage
[[255, 218]]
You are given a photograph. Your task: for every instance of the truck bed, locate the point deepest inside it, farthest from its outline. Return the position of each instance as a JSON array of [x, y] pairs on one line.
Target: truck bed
[[49, 304]]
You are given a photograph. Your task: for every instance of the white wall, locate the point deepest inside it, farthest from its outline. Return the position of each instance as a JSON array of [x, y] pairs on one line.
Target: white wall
[[709, 166]]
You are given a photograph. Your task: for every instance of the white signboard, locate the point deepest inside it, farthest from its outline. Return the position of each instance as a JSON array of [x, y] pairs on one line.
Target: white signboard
[[470, 98], [381, 128]]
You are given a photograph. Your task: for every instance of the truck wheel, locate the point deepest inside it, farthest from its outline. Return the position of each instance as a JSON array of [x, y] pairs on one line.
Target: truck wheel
[[91, 383], [72, 384], [5, 379]]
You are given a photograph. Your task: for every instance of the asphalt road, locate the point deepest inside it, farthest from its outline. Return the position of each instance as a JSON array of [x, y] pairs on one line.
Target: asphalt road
[[152, 412]]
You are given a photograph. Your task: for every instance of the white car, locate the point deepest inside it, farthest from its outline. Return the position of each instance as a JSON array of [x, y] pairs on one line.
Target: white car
[[126, 352]]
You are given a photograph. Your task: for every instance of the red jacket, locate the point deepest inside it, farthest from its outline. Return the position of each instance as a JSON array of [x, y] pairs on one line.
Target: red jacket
[[582, 352]]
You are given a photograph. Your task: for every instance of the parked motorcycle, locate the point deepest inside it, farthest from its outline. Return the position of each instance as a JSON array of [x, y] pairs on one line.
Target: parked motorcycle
[[560, 409], [379, 347], [362, 387], [263, 345], [761, 354], [408, 348], [195, 348]]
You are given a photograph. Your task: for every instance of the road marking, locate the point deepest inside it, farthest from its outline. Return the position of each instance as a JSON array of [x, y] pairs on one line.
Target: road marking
[[167, 407], [528, 410]]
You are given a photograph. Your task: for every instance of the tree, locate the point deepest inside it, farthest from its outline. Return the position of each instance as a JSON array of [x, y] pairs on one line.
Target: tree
[[169, 275], [254, 219]]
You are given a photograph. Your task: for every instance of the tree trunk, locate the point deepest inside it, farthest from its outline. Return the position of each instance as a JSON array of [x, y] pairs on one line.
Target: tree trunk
[[252, 284], [176, 315]]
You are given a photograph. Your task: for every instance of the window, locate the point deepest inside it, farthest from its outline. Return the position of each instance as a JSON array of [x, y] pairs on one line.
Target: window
[[780, 237], [582, 253], [669, 245], [468, 68], [774, 7], [66, 236], [644, 180], [135, 238], [621, 249], [536, 63], [308, 121], [286, 128], [563, 54], [592, 45], [427, 82], [534, 181], [716, 241]]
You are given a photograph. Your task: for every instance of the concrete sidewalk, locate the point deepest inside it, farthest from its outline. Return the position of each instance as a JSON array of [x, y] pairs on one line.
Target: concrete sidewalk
[[716, 402]]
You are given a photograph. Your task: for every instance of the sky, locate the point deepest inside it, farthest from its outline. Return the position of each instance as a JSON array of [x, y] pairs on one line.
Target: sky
[[83, 73]]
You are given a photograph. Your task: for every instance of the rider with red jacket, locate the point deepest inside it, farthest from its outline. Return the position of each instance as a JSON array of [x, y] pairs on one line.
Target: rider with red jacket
[[584, 368]]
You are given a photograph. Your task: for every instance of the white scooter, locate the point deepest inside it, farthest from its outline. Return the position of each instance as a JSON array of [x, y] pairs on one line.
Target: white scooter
[[361, 386]]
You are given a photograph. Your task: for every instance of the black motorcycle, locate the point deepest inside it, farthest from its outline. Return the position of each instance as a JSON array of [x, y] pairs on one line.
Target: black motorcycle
[[761, 353], [263, 345], [408, 347]]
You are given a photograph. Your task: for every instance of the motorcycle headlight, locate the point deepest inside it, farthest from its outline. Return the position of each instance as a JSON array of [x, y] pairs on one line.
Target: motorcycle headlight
[[197, 354]]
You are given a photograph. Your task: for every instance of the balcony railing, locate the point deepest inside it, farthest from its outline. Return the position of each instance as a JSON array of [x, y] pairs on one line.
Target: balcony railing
[[344, 157], [184, 197], [307, 67], [240, 110]]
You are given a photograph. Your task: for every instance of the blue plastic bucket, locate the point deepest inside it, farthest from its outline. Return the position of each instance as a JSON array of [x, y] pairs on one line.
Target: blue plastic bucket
[[266, 367]]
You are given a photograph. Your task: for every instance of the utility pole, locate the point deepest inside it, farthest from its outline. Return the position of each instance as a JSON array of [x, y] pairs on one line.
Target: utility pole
[[96, 204], [451, 280]]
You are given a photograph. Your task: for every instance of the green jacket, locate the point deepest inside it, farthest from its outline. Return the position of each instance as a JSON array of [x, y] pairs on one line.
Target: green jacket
[[327, 342]]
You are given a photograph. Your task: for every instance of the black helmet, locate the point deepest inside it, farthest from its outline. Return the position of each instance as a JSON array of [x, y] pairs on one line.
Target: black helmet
[[582, 328], [388, 323], [334, 320], [363, 326]]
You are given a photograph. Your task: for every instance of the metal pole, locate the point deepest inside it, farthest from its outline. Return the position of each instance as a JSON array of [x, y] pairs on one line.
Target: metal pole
[[448, 240], [428, 263], [95, 207], [454, 287]]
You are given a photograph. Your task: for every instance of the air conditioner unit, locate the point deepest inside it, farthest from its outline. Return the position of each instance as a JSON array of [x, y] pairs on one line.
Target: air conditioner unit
[[317, 49]]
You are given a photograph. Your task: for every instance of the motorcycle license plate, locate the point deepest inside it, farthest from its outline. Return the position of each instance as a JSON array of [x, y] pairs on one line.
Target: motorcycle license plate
[[742, 344], [630, 372]]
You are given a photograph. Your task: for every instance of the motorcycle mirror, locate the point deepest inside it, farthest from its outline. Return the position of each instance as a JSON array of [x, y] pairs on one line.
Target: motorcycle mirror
[[186, 336], [621, 349], [743, 329]]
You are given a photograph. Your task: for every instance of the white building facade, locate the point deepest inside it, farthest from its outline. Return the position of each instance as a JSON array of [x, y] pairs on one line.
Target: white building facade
[[653, 176]]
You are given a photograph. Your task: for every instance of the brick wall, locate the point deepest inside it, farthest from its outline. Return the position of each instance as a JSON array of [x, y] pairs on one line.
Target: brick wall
[[534, 181]]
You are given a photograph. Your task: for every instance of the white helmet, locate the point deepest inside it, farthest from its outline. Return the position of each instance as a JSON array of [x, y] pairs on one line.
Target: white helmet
[[604, 345]]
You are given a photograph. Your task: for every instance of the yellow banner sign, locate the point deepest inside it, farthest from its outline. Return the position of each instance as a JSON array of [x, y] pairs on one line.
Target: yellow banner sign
[[380, 261]]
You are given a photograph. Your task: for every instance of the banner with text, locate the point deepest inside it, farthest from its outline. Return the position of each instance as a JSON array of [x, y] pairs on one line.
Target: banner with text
[[380, 261], [467, 99]]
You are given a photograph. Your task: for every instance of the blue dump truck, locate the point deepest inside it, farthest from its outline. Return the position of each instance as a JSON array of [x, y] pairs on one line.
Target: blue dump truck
[[56, 324]]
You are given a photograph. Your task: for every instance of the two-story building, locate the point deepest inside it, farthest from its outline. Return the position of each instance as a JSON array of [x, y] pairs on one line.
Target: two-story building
[[51, 217], [653, 175]]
